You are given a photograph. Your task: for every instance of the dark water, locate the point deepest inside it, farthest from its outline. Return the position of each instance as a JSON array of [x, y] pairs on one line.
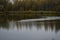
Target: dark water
[[34, 30]]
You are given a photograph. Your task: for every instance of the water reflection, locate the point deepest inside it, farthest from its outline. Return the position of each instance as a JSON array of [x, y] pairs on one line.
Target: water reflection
[[34, 30], [38, 25], [4, 25]]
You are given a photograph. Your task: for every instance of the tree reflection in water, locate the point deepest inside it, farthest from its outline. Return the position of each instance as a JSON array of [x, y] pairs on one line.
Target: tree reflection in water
[[4, 25], [47, 25]]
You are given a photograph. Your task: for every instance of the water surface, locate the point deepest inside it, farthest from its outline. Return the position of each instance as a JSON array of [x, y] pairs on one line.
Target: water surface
[[31, 30]]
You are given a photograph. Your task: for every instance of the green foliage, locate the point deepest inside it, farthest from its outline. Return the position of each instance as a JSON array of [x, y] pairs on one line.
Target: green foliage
[[31, 5]]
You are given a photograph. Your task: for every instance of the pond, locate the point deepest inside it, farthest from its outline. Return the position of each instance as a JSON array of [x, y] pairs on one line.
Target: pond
[[30, 30]]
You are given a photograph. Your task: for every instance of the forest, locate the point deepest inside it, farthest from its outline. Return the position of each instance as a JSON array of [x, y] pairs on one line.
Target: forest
[[25, 5]]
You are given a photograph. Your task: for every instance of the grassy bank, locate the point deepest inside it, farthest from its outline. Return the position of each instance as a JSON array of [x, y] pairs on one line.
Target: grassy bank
[[19, 15]]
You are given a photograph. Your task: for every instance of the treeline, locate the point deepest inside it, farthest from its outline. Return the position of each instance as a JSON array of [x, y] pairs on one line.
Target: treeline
[[5, 5]]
